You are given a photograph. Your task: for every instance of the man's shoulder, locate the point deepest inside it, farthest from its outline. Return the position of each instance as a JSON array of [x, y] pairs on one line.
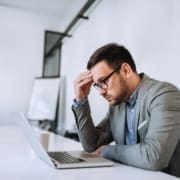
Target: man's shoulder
[[153, 86]]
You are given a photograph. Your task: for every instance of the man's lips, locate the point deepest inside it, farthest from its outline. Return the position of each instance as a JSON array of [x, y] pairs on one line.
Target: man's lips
[[108, 98]]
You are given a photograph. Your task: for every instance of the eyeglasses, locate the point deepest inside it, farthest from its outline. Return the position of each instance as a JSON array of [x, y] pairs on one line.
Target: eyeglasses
[[103, 84]]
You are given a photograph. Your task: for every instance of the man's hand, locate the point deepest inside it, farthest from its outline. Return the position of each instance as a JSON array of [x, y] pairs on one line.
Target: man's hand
[[99, 151], [82, 85]]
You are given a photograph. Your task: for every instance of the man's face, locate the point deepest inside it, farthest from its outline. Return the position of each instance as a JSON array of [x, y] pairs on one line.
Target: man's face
[[115, 88]]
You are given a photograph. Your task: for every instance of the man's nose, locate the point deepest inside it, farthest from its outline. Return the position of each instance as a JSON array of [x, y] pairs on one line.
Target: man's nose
[[102, 91]]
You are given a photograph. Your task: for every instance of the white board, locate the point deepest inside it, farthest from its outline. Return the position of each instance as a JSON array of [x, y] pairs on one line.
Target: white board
[[43, 103]]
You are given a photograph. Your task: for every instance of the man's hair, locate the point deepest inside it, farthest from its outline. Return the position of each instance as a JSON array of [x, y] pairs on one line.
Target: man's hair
[[113, 54]]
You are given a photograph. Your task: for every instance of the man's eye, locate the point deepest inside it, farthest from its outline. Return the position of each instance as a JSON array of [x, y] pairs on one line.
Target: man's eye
[[105, 81], [99, 85], [102, 82]]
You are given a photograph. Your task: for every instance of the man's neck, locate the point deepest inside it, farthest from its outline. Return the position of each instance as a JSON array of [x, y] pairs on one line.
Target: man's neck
[[135, 81]]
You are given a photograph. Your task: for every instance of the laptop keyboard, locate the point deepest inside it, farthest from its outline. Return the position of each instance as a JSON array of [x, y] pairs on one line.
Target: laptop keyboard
[[64, 157]]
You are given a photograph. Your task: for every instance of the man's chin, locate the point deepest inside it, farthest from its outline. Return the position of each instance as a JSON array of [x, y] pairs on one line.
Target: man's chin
[[113, 103]]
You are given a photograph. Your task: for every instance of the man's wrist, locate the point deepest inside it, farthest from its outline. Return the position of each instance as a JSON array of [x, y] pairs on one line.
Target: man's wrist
[[78, 103], [105, 151]]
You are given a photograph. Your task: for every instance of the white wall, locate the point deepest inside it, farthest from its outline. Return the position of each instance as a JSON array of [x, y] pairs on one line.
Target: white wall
[[21, 56], [148, 28]]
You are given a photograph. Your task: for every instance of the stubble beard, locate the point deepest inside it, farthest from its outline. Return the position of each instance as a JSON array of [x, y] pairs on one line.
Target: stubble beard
[[122, 96]]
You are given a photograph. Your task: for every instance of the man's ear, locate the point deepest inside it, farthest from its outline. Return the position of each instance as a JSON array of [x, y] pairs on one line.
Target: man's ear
[[126, 70]]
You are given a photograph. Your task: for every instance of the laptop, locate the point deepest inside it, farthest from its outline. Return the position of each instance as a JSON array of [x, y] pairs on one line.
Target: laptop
[[76, 159]]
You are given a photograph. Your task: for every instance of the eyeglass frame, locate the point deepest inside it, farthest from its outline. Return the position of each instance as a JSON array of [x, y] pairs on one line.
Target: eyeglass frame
[[104, 82]]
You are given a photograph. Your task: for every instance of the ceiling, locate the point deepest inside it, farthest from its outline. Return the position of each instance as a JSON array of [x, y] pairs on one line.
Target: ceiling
[[63, 10], [45, 7]]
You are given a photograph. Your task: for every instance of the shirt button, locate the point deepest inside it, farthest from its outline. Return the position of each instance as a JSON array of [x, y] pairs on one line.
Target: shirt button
[[132, 110]]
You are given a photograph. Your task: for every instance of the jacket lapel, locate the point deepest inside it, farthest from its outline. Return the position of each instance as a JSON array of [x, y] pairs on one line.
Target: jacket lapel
[[122, 124]]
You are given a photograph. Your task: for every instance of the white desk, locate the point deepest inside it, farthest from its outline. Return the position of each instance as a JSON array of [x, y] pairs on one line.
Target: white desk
[[18, 162]]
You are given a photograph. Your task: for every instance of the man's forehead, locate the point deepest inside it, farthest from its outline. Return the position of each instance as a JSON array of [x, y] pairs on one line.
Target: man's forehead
[[100, 69], [101, 66]]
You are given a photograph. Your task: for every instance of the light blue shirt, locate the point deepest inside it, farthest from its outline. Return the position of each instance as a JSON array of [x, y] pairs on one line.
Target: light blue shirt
[[130, 118]]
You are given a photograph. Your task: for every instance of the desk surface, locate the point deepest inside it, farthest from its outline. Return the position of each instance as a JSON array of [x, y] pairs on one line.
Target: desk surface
[[18, 162]]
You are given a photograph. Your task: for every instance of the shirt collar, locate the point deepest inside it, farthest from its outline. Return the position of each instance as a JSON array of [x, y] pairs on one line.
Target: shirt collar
[[132, 99]]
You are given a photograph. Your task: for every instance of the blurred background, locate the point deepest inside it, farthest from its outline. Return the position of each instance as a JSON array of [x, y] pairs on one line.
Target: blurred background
[[54, 39]]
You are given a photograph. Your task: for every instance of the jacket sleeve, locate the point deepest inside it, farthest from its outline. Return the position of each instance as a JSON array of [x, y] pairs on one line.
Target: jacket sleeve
[[162, 137], [90, 136]]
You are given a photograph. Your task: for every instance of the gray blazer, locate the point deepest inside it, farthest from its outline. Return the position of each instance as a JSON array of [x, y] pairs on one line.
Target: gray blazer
[[157, 124]]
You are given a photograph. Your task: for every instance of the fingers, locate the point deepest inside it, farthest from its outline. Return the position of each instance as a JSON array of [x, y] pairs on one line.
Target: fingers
[[83, 78], [99, 151], [82, 85]]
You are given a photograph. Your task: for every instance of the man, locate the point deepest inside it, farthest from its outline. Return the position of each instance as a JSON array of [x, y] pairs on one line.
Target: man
[[143, 117]]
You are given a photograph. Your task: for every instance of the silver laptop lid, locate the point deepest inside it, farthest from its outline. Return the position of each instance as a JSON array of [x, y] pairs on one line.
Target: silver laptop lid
[[22, 122]]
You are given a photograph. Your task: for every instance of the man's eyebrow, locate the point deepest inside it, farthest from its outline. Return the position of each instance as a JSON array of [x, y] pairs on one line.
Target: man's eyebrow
[[101, 79]]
